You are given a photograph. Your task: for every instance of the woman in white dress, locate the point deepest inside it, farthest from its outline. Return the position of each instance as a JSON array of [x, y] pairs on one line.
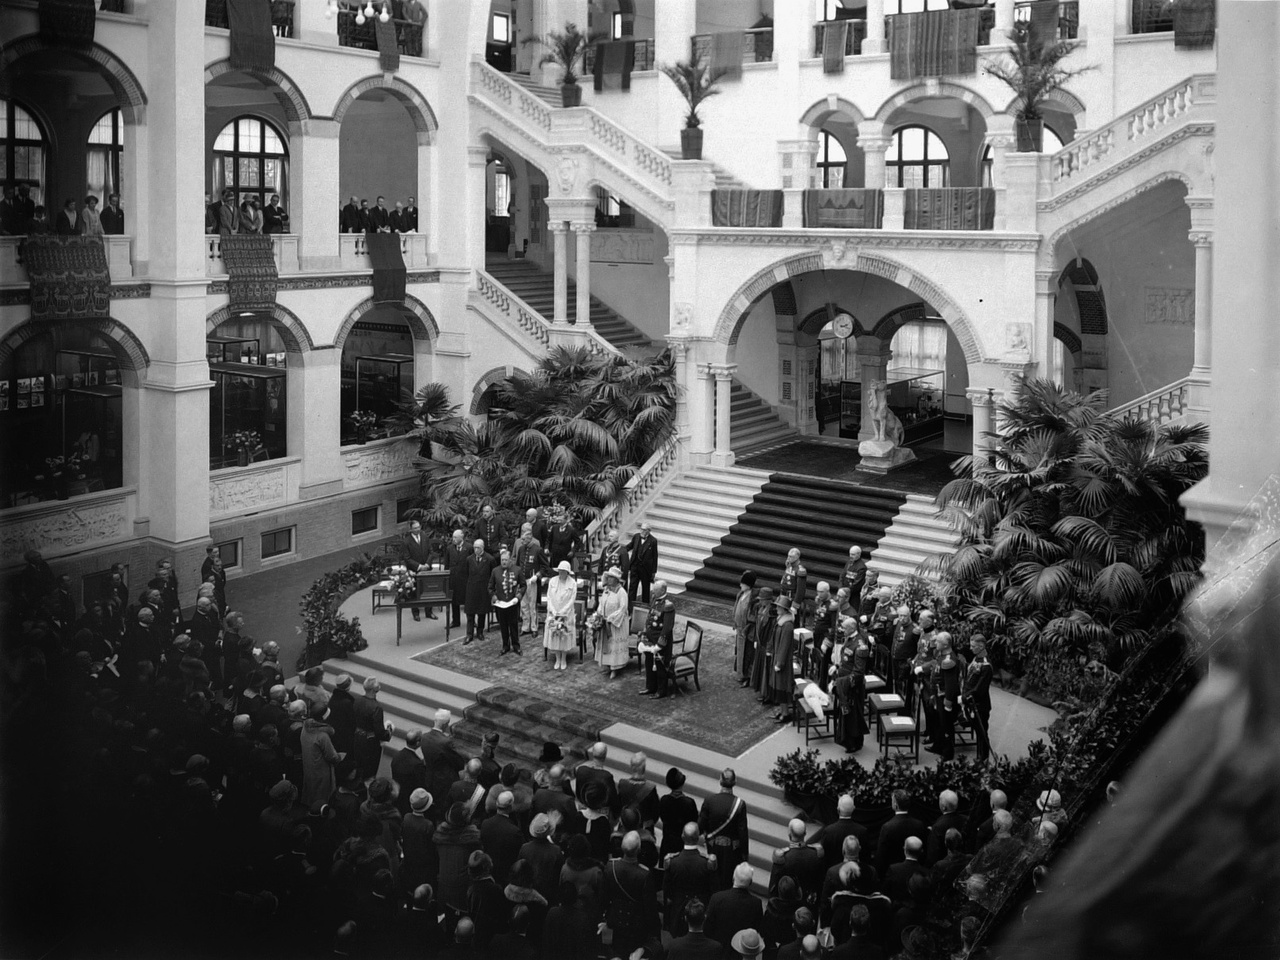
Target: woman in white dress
[[612, 652], [560, 637]]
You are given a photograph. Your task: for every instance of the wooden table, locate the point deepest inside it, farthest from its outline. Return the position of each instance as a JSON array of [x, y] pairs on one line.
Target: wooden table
[[403, 605]]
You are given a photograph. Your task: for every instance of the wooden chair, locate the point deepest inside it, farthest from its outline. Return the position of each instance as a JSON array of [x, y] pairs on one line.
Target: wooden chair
[[684, 658], [635, 632]]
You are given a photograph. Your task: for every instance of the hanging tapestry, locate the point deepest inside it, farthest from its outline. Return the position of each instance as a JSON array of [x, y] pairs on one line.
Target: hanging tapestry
[[1044, 24], [251, 271], [726, 54], [253, 41], [68, 23], [835, 35], [1194, 22], [746, 208], [950, 208], [69, 278], [847, 209], [934, 44], [388, 267], [388, 45], [613, 59]]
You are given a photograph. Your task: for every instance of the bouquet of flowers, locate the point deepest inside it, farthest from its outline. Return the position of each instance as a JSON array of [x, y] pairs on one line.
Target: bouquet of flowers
[[559, 627], [63, 468], [247, 440], [595, 622], [405, 585], [365, 422]]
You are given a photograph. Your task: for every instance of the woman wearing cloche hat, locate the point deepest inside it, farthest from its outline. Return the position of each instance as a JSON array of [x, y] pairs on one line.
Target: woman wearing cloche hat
[[560, 636], [612, 652]]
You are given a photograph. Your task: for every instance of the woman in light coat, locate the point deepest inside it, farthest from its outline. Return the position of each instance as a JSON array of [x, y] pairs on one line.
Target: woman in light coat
[[612, 652], [562, 592]]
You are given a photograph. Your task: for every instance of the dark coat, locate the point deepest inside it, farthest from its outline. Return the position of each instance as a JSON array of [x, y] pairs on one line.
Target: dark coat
[[585, 774], [493, 532], [421, 856], [831, 838], [377, 218], [803, 864], [455, 558], [350, 221], [630, 903], [892, 836], [730, 911], [342, 717], [936, 843], [614, 555], [478, 571], [415, 553], [410, 772], [555, 799], [562, 542], [688, 874], [501, 839], [371, 733], [643, 554], [899, 875], [546, 859], [112, 221], [455, 845], [442, 762]]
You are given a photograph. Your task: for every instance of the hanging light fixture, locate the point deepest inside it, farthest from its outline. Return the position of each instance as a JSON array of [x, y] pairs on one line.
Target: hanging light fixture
[[385, 15], [368, 10], [359, 17], [330, 9]]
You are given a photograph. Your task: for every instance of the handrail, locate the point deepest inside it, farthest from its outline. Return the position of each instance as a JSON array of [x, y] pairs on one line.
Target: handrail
[[513, 308], [637, 490], [1158, 406], [1152, 117]]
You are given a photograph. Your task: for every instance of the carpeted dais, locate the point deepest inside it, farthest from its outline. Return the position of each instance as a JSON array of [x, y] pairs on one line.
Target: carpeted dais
[[722, 716]]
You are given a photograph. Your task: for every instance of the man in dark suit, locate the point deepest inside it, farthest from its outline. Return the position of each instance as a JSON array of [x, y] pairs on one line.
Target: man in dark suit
[[399, 223], [505, 590], [411, 216], [894, 833], [442, 761], [379, 219], [456, 552], [984, 831], [687, 876], [342, 715], [491, 530], [799, 861], [867, 882], [408, 769], [563, 537], [540, 527], [112, 216], [594, 771], [478, 569], [734, 909], [349, 219], [899, 874], [694, 945], [67, 224], [500, 838], [831, 837], [948, 804], [613, 554], [947, 870], [416, 552], [363, 213], [371, 729], [722, 821], [861, 945], [557, 799], [977, 694], [643, 556], [273, 216], [630, 899]]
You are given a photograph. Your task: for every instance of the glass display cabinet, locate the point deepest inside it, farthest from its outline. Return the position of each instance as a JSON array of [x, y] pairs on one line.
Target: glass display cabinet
[[246, 398], [914, 395], [376, 384], [233, 350]]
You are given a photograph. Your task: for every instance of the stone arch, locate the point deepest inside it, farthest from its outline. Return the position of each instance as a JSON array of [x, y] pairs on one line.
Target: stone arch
[[292, 330], [818, 318], [889, 324], [930, 90], [1048, 251], [424, 118], [824, 106], [1069, 338], [1064, 100], [734, 313], [421, 323], [119, 77], [124, 343], [292, 101], [487, 380]]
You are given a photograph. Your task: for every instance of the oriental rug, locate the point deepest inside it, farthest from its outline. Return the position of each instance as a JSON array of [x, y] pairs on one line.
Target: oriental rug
[[69, 277], [847, 209], [613, 64], [746, 208], [388, 45], [835, 35], [388, 267], [1194, 22], [251, 271], [950, 208], [726, 54], [253, 39], [1044, 23], [934, 44], [68, 23]]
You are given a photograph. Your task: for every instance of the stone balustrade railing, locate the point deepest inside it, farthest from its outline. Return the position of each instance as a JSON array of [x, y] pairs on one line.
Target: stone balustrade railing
[[1160, 406], [1131, 131], [14, 272], [353, 251], [640, 490], [284, 246], [518, 314]]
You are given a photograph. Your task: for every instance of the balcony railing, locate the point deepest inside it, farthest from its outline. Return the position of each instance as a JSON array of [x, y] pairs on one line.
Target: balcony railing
[[644, 56], [1068, 16], [361, 36], [215, 15], [1151, 16], [853, 37], [284, 246], [353, 251], [13, 272], [757, 45]]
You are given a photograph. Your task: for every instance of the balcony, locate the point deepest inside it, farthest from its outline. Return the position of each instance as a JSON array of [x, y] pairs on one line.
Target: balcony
[[215, 15], [644, 56], [363, 36], [14, 273], [353, 251], [951, 208], [853, 37], [757, 45], [1068, 17], [284, 245]]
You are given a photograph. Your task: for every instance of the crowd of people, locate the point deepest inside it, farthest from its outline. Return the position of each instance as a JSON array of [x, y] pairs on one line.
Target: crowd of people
[[358, 217], [20, 215], [250, 215]]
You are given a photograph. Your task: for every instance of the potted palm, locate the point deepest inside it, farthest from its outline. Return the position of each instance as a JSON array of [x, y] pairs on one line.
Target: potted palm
[[1033, 70], [565, 50], [696, 82]]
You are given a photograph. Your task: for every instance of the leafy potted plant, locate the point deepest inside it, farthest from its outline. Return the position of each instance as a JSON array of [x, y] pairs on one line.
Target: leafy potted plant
[[365, 423], [244, 443], [1033, 70], [696, 82], [565, 50]]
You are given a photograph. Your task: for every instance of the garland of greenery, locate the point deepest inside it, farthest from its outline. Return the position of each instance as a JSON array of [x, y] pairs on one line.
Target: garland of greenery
[[329, 633]]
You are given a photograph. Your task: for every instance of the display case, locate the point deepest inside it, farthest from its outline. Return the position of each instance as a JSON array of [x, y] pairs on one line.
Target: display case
[[90, 419], [246, 397], [234, 350], [84, 368], [914, 395], [375, 384]]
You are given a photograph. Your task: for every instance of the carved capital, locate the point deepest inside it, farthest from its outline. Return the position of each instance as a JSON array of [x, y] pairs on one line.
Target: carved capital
[[558, 227], [477, 155], [874, 144], [723, 371], [980, 396], [1201, 238], [999, 141], [583, 226]]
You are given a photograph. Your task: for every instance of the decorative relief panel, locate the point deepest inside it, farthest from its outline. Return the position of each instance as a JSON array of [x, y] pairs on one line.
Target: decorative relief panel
[[371, 465], [1170, 305], [621, 246], [65, 529], [246, 491]]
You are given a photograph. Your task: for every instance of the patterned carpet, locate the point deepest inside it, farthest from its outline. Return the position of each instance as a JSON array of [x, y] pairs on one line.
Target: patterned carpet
[[721, 717]]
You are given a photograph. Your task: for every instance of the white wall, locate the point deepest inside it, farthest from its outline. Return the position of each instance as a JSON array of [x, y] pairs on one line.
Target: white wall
[[378, 152]]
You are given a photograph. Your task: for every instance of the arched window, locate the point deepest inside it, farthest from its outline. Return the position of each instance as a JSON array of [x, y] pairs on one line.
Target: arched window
[[60, 417], [102, 157], [247, 412], [249, 156], [1051, 143], [831, 161], [916, 158], [23, 158]]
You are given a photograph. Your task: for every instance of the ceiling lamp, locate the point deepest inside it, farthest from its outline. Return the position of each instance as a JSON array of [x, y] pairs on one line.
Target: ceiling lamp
[[385, 15]]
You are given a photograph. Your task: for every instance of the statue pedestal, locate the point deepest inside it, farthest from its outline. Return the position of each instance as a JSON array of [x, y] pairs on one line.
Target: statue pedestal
[[881, 456]]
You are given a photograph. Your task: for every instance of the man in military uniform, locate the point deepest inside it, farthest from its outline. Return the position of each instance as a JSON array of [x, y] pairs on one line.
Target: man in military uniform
[[490, 529], [901, 650], [687, 875], [977, 694], [506, 587], [722, 821], [824, 622], [657, 643], [800, 861], [948, 679], [630, 899], [854, 574], [613, 554], [794, 582], [531, 561]]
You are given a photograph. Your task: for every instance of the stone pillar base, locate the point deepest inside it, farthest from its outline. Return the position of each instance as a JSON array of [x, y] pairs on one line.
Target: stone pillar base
[[722, 459], [881, 456]]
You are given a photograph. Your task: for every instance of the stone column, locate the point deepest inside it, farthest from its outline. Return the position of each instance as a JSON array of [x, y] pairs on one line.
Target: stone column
[[700, 408], [873, 364], [560, 272], [1001, 139], [672, 33], [477, 161], [874, 143], [1042, 347], [314, 201], [173, 448], [429, 194], [982, 399], [723, 372], [875, 42], [135, 200], [1203, 240], [315, 381], [680, 357], [1004, 21], [582, 230]]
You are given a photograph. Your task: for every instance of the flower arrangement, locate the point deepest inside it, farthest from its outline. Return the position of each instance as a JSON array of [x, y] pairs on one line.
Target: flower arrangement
[[405, 585], [63, 468], [595, 622], [328, 632], [559, 627], [363, 419], [247, 440]]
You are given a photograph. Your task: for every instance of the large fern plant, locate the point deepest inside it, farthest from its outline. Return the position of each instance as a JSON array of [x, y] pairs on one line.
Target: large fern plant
[[696, 82], [1033, 69], [565, 49]]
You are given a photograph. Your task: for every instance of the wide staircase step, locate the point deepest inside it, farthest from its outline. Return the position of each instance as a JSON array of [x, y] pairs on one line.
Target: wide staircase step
[[724, 179], [822, 518], [915, 535], [753, 425], [549, 94]]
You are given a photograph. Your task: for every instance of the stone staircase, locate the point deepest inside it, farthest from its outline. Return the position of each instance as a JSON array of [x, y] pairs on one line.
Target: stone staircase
[[724, 179], [551, 95], [693, 513], [753, 426], [915, 535]]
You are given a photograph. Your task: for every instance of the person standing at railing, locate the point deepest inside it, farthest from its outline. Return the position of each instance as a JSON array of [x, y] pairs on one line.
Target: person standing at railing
[[379, 218], [399, 219], [113, 216], [9, 225], [90, 220], [274, 218], [411, 215], [228, 213], [250, 216], [349, 220], [210, 216], [68, 221]]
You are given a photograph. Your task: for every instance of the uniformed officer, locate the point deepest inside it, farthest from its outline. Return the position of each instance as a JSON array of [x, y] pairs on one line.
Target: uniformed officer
[[657, 643]]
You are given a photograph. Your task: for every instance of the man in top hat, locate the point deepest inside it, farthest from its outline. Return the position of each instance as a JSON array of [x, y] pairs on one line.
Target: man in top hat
[[506, 587], [657, 643]]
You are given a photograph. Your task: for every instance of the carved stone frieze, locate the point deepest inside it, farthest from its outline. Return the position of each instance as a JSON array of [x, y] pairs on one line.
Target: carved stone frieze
[[388, 461], [239, 492], [63, 529]]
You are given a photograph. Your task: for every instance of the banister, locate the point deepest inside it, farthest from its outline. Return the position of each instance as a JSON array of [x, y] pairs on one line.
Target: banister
[[637, 490], [1159, 406]]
